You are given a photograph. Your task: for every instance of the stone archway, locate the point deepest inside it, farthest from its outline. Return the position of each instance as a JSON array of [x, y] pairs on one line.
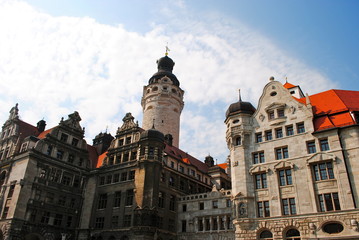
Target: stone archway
[[34, 236]]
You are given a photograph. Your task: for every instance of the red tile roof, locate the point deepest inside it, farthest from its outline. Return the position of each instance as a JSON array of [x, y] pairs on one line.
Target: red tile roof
[[27, 129], [44, 133], [332, 108], [93, 156], [186, 158], [223, 165], [288, 85]]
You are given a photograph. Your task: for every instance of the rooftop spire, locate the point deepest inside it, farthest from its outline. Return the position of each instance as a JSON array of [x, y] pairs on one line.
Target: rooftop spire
[[239, 93], [167, 49]]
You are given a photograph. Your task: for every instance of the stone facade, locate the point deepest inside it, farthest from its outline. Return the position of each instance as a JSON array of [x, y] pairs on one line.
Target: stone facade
[[206, 216], [293, 175]]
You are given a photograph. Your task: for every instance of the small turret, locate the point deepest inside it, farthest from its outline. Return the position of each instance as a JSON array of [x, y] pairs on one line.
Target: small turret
[[41, 125]]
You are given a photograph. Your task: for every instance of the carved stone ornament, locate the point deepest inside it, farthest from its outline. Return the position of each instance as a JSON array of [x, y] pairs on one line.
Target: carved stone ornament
[[261, 117], [292, 109]]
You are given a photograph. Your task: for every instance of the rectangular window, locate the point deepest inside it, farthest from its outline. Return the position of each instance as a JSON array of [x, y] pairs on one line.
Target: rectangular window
[[129, 197], [62, 201], [127, 221], [117, 199], [172, 202], [114, 222], [116, 177], [171, 225], [201, 205], [263, 209], [181, 168], [74, 142], [128, 140], [279, 133], [184, 207], [281, 153], [102, 201], [49, 198], [66, 179], [99, 222], [289, 130], [258, 157], [300, 128], [184, 225], [228, 203], [288, 206], [269, 135], [49, 150], [58, 220], [102, 180], [285, 177], [280, 112], [261, 180], [11, 190], [60, 154], [328, 202], [324, 145], [171, 181], [131, 176], [323, 171], [215, 204], [311, 147], [77, 181], [108, 179], [259, 137], [64, 137], [69, 221], [71, 158], [200, 224], [161, 199], [45, 217], [124, 176], [271, 115], [5, 212]]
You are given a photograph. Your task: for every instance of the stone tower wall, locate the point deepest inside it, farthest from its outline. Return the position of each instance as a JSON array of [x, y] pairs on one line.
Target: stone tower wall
[[162, 105]]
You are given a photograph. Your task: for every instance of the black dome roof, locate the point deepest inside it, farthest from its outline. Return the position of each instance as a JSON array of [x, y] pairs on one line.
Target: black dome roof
[[153, 134], [165, 67], [240, 107]]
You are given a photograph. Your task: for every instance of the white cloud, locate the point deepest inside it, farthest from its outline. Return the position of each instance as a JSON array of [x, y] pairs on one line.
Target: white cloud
[[53, 66]]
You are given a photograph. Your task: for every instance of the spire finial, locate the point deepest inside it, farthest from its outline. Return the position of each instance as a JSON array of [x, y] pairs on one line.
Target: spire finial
[[286, 79], [167, 49], [239, 95]]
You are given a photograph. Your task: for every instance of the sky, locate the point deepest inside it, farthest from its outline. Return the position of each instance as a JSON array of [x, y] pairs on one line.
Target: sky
[[94, 57]]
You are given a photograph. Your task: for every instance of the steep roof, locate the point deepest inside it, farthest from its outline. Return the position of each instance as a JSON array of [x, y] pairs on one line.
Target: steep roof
[[186, 158], [223, 165], [288, 85], [332, 108], [44, 133]]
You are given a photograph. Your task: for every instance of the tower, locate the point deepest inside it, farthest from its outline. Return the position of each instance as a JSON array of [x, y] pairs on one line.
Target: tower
[[162, 101]]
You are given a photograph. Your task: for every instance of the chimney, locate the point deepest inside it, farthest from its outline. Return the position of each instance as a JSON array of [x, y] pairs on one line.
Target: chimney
[[41, 125]]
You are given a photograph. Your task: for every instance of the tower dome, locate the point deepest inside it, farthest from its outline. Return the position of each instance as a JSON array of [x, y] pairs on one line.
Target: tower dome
[[165, 66], [240, 107]]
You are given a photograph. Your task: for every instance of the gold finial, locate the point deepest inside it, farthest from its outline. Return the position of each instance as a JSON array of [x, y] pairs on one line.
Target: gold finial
[[167, 49]]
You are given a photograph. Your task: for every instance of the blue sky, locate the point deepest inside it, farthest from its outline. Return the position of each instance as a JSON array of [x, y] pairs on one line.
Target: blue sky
[[95, 56]]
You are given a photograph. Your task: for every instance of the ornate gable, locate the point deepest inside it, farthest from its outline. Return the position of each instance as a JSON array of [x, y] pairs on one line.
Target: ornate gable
[[73, 122], [283, 164], [128, 123], [257, 169]]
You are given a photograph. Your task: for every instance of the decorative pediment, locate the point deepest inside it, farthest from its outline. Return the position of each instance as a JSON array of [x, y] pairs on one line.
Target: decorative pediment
[[322, 156], [128, 123], [73, 121], [275, 105], [283, 164], [257, 169]]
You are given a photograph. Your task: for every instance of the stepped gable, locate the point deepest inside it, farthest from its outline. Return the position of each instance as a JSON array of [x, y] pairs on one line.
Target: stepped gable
[[185, 157], [332, 108]]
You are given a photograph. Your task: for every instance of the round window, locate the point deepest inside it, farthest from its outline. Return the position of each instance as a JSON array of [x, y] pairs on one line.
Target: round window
[[273, 94]]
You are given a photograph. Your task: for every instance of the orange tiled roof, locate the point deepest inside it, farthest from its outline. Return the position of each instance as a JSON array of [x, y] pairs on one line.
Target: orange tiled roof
[[186, 158], [223, 165], [44, 133], [332, 108], [288, 85], [100, 160]]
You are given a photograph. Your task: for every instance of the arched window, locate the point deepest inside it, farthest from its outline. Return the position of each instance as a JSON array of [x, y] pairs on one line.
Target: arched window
[[266, 235], [292, 234], [238, 141]]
